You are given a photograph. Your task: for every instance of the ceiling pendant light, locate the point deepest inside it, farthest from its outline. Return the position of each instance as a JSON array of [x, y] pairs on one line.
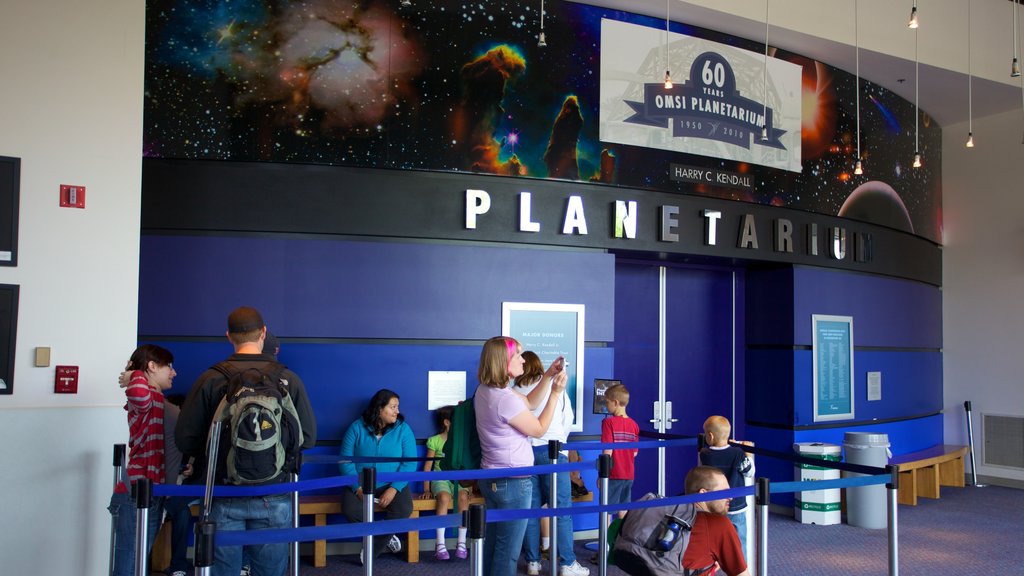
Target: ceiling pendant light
[[764, 94], [970, 84], [917, 110], [858, 168], [1015, 65], [913, 17], [541, 41], [668, 74]]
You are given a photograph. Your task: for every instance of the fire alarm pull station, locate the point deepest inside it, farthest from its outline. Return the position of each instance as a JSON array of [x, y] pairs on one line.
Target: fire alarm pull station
[[72, 196], [67, 380]]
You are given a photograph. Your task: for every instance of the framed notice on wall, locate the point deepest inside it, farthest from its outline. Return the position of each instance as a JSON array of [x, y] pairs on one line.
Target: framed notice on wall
[[10, 183], [8, 335], [550, 331], [833, 367]]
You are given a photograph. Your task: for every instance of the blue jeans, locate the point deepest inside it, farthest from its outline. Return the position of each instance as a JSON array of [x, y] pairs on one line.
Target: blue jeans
[[541, 495], [122, 509], [255, 512], [181, 522], [504, 540], [740, 522]]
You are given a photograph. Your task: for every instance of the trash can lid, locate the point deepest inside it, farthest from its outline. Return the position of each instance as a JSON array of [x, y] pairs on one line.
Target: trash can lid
[[865, 440], [816, 448]]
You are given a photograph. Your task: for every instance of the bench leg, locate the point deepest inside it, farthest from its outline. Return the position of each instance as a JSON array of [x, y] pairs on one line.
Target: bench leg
[[320, 546], [951, 473], [928, 482], [907, 493], [413, 542]]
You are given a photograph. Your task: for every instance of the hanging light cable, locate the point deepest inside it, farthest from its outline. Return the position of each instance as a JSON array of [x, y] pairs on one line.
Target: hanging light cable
[[764, 94], [858, 167], [1015, 65], [912, 24], [668, 75], [917, 112], [970, 84], [541, 41]]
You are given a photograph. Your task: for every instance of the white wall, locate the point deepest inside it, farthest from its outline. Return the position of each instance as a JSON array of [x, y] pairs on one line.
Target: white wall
[[983, 276], [71, 109]]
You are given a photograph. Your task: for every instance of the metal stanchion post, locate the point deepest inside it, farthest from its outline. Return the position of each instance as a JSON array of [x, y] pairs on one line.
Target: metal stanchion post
[[604, 468], [894, 548], [293, 548], [970, 440], [701, 443], [762, 493], [369, 483], [118, 470], [554, 446], [476, 523], [206, 529], [143, 496]]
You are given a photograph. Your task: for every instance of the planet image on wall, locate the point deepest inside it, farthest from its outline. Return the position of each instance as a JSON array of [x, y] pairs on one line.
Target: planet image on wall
[[876, 202]]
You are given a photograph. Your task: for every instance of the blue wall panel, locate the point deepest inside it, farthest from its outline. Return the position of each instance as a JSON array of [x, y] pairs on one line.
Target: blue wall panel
[[769, 386], [886, 311], [769, 304], [350, 289], [904, 436], [911, 385]]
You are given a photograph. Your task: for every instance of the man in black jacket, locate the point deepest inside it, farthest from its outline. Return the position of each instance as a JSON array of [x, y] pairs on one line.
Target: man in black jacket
[[247, 333]]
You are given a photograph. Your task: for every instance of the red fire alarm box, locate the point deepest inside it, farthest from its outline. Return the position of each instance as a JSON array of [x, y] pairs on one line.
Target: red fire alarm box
[[72, 196], [67, 380]]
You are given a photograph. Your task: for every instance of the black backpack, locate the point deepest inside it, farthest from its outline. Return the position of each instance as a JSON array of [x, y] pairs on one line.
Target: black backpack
[[642, 547], [261, 437]]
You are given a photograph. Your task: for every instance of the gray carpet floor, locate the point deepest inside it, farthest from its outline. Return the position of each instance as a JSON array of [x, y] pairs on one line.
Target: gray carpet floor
[[967, 531]]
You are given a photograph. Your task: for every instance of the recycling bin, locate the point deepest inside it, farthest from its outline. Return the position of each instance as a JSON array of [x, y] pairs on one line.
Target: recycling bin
[[817, 506]]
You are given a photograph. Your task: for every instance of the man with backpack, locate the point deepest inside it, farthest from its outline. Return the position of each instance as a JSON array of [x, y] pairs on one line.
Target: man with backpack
[[267, 422], [682, 540]]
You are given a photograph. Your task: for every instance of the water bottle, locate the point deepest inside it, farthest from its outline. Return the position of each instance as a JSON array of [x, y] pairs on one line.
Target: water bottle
[[669, 532]]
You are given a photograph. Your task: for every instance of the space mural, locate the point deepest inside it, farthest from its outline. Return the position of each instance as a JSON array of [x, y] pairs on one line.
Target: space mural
[[464, 87]]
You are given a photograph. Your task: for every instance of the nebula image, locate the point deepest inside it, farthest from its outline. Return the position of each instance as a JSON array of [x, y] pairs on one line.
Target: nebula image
[[560, 156], [454, 86]]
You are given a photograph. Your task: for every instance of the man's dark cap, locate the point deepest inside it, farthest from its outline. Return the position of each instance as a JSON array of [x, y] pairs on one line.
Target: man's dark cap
[[245, 319], [270, 344]]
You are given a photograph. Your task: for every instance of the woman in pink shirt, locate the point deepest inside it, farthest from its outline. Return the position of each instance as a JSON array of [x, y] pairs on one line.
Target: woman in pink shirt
[[505, 424]]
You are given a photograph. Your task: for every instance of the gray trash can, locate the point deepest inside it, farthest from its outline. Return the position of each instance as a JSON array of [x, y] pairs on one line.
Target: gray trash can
[[866, 505]]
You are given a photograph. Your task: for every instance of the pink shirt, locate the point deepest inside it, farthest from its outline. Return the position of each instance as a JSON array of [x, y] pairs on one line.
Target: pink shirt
[[501, 445]]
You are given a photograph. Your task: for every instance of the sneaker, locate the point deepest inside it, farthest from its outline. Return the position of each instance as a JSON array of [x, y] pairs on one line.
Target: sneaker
[[575, 569], [246, 570], [533, 569], [394, 545], [441, 553], [461, 552], [362, 556], [178, 573]]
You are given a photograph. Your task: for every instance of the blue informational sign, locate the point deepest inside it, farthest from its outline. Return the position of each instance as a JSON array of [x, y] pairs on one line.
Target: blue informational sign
[[833, 368], [550, 331]]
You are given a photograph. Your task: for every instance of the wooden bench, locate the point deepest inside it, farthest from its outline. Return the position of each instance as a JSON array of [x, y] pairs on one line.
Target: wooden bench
[[924, 471], [319, 506]]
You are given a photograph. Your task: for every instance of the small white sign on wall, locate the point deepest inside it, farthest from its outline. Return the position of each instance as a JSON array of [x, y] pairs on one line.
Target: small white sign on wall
[[874, 386], [445, 388]]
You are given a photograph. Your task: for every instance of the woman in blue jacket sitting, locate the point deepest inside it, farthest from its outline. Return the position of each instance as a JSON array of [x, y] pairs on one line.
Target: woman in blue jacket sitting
[[381, 431]]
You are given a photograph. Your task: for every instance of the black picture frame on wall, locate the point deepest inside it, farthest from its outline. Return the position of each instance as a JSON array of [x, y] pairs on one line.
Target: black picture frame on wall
[[8, 335], [10, 186]]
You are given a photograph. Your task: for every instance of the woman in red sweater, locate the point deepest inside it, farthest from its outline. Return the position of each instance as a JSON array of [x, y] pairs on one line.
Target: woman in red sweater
[[149, 372]]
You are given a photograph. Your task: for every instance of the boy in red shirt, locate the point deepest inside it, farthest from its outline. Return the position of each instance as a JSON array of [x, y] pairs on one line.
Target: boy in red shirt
[[619, 428]]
